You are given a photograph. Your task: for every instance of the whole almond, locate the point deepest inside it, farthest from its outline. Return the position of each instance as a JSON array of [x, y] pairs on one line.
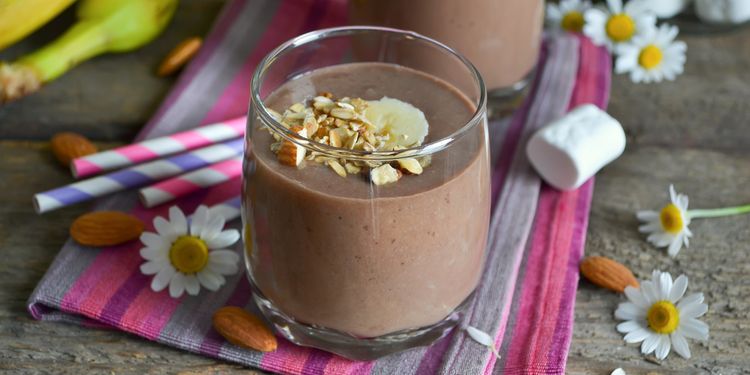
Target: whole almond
[[607, 273], [243, 329], [179, 56], [105, 228], [68, 146]]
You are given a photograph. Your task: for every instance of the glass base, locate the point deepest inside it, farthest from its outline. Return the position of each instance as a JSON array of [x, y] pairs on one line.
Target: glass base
[[501, 102], [349, 346]]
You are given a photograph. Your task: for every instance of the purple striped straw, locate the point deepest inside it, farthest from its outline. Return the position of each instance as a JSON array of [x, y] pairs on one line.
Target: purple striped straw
[[136, 176], [155, 148]]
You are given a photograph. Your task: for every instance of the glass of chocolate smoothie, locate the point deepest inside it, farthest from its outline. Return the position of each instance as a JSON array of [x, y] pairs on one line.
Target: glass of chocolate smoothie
[[501, 37], [366, 189]]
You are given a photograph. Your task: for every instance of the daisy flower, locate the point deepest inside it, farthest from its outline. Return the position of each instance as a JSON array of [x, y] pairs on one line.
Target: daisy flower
[[616, 24], [668, 227], [658, 316], [653, 56], [185, 256], [568, 15]]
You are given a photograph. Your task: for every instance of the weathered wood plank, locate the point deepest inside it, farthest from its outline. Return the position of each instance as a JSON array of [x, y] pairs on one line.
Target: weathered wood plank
[[109, 97], [717, 262]]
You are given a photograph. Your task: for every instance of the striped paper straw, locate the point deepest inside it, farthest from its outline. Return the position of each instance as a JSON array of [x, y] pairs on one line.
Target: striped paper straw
[[230, 208], [136, 176], [157, 147], [185, 184]]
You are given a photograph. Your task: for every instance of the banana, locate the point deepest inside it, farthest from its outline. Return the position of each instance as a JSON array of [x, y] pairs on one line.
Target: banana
[[103, 26], [19, 18], [405, 123]]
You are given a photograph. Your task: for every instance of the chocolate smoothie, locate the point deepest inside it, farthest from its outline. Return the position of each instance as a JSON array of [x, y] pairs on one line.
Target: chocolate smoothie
[[500, 37], [367, 260]]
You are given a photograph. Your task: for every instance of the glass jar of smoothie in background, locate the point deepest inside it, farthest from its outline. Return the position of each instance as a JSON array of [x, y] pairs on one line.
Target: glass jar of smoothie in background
[[339, 255], [500, 37]]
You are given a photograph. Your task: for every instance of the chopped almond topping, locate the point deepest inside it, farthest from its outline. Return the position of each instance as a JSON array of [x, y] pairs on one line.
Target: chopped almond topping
[[342, 123]]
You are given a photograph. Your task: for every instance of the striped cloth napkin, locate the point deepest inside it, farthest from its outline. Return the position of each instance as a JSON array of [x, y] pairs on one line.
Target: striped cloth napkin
[[526, 296]]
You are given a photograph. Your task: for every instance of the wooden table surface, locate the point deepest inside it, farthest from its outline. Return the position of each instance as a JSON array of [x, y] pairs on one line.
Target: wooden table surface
[[694, 133]]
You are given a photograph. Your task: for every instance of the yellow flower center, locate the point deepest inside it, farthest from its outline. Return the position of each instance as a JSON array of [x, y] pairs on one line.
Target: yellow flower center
[[573, 21], [671, 219], [650, 57], [663, 317], [620, 27], [188, 254]]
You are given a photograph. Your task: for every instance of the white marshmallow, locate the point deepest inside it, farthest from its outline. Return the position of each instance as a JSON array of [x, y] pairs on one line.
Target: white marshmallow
[[723, 11], [570, 150], [666, 8]]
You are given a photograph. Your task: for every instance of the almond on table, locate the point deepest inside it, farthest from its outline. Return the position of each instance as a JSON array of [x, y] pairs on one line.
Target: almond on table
[[243, 329], [179, 56], [608, 273], [105, 228], [68, 146]]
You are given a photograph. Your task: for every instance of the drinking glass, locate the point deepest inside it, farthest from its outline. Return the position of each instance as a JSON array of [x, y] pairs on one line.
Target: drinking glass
[[340, 263]]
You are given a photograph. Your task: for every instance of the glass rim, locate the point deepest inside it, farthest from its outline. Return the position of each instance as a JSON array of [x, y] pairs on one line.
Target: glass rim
[[425, 149]]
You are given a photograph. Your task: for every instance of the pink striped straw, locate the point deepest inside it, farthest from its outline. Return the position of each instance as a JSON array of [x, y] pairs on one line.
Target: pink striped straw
[[157, 147], [188, 183]]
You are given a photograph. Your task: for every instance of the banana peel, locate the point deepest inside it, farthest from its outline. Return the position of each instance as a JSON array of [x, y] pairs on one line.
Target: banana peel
[[103, 26], [19, 18]]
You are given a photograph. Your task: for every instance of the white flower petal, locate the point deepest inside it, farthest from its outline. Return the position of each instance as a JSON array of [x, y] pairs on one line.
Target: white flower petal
[[694, 310], [479, 336], [680, 345], [151, 239], [636, 297], [223, 257], [629, 326], [223, 268], [177, 285], [198, 221], [192, 285], [224, 239], [660, 239], [678, 289], [650, 228], [213, 227], [618, 371], [650, 343], [637, 75], [178, 220], [482, 338], [675, 246], [554, 14], [210, 280], [648, 292], [694, 329], [615, 6], [672, 194], [690, 300], [665, 344], [152, 267], [164, 228], [162, 279], [151, 253], [629, 311], [647, 215], [665, 285], [637, 336]]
